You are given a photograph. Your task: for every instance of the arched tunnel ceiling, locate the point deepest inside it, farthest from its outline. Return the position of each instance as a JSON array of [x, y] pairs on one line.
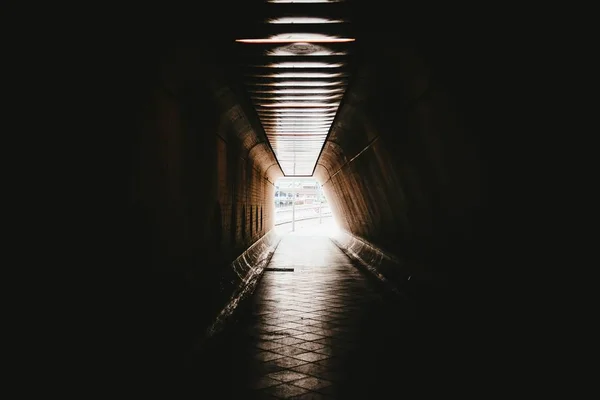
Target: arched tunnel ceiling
[[295, 64]]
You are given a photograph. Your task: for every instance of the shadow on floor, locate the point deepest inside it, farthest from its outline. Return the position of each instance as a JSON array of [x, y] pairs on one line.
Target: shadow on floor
[[323, 330]]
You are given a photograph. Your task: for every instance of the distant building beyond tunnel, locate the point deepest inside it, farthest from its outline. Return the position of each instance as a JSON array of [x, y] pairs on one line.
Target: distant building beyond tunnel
[[298, 199]]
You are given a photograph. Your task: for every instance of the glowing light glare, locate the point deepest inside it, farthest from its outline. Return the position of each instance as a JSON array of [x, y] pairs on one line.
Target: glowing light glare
[[297, 139], [299, 98], [307, 161], [298, 164], [305, 152], [299, 144], [309, 140], [313, 150], [297, 129], [298, 37], [295, 105], [300, 83], [295, 113], [293, 146], [296, 120], [309, 134], [291, 155], [286, 119], [282, 129], [279, 117], [323, 52], [294, 139], [298, 75], [300, 118], [299, 135], [272, 115], [294, 157], [284, 124], [314, 111], [302, 142], [290, 140], [289, 147], [303, 20], [290, 150], [305, 65], [275, 127], [300, 91], [314, 138], [319, 118]]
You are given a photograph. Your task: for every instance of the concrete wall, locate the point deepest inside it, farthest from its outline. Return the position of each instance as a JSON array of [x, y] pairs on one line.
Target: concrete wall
[[202, 193], [401, 166]]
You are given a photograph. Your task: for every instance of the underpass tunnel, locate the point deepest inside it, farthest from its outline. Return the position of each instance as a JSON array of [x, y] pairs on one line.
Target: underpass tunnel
[[400, 166]]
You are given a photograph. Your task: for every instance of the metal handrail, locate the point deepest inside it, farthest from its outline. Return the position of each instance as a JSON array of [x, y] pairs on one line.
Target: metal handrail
[[302, 219]]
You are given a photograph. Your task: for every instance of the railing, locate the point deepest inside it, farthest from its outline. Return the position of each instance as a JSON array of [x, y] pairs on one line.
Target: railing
[[309, 211], [303, 219], [300, 207]]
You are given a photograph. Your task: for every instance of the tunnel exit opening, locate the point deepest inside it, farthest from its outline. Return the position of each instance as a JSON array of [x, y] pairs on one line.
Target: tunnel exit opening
[[301, 205]]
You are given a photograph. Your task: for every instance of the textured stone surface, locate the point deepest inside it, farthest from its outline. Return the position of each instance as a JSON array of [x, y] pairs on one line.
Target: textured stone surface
[[401, 166], [323, 331], [201, 194]]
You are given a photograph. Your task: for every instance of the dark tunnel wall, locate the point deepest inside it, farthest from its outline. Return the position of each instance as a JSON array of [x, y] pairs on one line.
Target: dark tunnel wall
[[157, 269], [202, 192], [401, 167]]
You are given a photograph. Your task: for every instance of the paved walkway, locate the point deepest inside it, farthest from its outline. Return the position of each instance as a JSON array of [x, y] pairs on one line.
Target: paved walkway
[[321, 331]]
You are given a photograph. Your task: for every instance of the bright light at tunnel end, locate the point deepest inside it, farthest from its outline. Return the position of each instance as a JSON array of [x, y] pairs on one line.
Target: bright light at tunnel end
[[300, 197]]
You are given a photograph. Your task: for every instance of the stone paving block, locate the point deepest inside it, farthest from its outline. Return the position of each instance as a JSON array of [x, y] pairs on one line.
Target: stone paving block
[[313, 332]]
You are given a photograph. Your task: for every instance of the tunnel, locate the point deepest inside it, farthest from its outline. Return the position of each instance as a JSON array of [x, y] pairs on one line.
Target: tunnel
[[399, 155]]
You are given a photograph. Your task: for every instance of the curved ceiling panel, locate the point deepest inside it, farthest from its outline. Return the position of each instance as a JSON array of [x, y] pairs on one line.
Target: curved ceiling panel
[[295, 68]]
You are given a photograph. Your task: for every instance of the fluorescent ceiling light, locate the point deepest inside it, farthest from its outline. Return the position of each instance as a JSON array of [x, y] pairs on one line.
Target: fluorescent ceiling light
[[298, 98], [295, 105], [303, 20], [299, 75], [299, 112], [298, 37], [305, 65], [300, 91], [301, 83]]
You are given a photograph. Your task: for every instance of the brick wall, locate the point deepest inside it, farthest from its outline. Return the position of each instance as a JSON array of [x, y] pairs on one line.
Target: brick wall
[[202, 194], [401, 165]]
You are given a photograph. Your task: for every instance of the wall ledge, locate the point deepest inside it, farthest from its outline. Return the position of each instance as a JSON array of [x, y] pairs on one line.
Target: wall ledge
[[399, 277], [247, 270]]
